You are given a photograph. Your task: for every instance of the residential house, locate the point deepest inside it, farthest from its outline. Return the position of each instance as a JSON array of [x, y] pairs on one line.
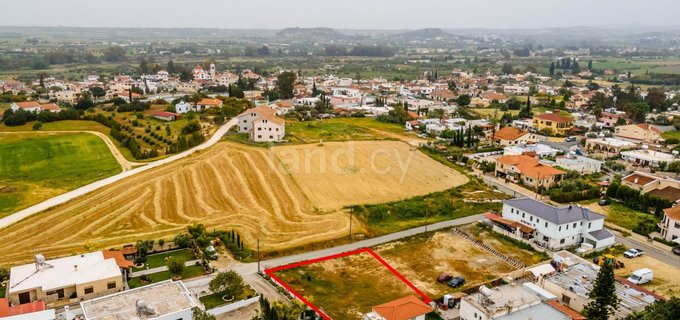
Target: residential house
[[575, 279], [670, 224], [527, 170], [558, 125], [609, 145], [645, 157], [640, 132], [557, 228], [30, 311], [261, 124], [166, 300], [207, 103], [649, 182], [32, 106], [581, 164], [183, 107], [509, 302], [508, 136], [407, 308], [611, 118], [64, 281], [69, 96], [166, 116]]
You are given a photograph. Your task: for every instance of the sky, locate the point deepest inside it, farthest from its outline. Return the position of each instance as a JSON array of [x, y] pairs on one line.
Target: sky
[[341, 14]]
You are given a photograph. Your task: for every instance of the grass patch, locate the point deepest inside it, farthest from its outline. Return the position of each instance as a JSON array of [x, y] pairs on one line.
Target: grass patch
[[36, 167], [343, 129], [627, 218], [671, 134], [507, 245], [214, 300], [2, 292], [189, 272], [158, 260]]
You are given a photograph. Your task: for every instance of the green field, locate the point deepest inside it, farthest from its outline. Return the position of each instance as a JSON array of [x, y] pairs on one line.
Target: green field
[[625, 217], [344, 129], [214, 300], [671, 134], [36, 167]]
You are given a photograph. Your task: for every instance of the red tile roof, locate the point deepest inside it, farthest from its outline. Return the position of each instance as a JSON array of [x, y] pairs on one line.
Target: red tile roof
[[566, 310], [120, 259], [638, 179], [402, 309], [28, 104], [210, 102], [553, 117], [6, 310], [529, 166], [509, 133]]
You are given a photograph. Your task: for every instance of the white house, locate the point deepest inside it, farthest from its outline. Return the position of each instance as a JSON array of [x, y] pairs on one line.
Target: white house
[[167, 300], [182, 107], [207, 103], [581, 164], [670, 225], [29, 106], [261, 124], [556, 228]]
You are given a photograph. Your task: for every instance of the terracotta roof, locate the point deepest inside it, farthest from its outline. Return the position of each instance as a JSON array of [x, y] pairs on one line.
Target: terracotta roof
[[523, 227], [7, 311], [673, 213], [165, 114], [566, 310], [553, 117], [49, 106], [27, 104], [638, 179], [647, 126], [509, 133], [120, 259], [271, 118], [402, 309], [260, 110], [529, 166], [413, 115], [210, 102], [669, 193], [129, 250]]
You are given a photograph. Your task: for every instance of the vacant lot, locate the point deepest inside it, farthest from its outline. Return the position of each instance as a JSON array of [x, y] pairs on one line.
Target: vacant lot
[[346, 288], [666, 281], [34, 168], [347, 129], [422, 258], [228, 186], [340, 174]]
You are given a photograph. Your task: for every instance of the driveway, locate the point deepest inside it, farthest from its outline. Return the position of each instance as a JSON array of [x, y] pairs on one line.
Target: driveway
[[68, 196]]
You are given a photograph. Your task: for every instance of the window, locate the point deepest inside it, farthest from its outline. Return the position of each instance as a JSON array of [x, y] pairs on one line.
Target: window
[[546, 224], [677, 225], [531, 218], [562, 241], [589, 224], [111, 285], [259, 136], [271, 137], [559, 229], [574, 226], [89, 290], [522, 214], [567, 227], [512, 210]]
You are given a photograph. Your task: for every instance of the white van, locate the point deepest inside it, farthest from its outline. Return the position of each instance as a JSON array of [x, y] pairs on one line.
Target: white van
[[641, 276]]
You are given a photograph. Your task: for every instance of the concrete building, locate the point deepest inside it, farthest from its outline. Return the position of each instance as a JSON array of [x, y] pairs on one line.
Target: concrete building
[[580, 164], [557, 228], [609, 145], [183, 107], [407, 308], [65, 280], [649, 182], [558, 125], [509, 136], [528, 170], [167, 300], [261, 124], [641, 132], [645, 157], [574, 280], [510, 302]]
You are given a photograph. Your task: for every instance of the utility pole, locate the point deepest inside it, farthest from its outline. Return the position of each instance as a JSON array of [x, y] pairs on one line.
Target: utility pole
[[258, 254], [350, 225]]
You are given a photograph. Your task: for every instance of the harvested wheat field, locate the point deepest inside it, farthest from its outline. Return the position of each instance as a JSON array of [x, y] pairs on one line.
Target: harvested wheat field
[[338, 174], [228, 186]]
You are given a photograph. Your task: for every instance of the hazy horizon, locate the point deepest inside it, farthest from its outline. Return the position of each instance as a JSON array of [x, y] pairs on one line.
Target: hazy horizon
[[348, 15]]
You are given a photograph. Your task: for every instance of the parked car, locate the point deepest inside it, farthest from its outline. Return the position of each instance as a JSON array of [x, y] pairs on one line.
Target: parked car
[[676, 250], [211, 252], [456, 282], [633, 253], [444, 277], [641, 276], [603, 202], [570, 139]]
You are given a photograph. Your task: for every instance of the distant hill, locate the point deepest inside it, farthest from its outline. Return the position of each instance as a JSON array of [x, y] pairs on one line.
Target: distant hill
[[312, 33], [426, 33]]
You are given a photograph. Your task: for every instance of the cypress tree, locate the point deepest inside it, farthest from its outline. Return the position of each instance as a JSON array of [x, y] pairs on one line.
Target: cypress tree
[[604, 299], [590, 65], [552, 68]]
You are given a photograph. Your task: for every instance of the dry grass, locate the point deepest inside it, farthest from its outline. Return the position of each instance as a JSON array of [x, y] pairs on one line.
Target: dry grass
[[228, 186], [422, 258], [665, 282], [348, 287]]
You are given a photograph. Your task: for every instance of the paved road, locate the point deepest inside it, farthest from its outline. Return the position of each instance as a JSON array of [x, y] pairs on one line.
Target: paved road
[[247, 269], [662, 255], [68, 196]]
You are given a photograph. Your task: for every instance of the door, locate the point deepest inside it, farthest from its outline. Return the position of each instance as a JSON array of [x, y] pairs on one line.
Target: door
[[24, 297]]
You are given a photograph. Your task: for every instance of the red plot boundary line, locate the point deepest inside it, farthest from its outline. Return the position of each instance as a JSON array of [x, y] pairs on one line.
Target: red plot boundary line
[[270, 272]]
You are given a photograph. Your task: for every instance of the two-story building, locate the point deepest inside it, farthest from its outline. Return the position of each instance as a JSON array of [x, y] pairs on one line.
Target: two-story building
[[261, 124], [557, 124], [65, 280], [557, 228], [509, 136], [640, 132], [527, 170], [670, 225]]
